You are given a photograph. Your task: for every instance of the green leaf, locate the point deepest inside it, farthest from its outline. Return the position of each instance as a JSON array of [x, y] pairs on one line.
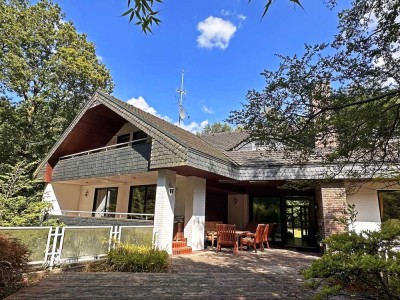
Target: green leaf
[[267, 5], [127, 12]]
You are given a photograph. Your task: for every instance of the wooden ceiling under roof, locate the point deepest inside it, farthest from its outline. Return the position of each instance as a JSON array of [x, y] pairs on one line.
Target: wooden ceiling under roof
[[96, 127]]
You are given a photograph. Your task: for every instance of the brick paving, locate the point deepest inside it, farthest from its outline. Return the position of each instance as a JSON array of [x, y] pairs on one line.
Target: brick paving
[[272, 274]]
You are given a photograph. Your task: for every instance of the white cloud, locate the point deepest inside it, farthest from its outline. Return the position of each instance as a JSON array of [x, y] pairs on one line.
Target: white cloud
[[226, 12], [193, 127], [100, 58], [207, 110], [141, 103], [241, 18], [215, 32]]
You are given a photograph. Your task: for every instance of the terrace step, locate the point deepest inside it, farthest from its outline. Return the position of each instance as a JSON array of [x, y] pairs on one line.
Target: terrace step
[[182, 250], [180, 247], [178, 244]]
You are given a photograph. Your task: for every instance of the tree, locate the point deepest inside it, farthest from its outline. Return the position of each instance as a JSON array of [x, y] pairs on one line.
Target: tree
[[20, 199], [145, 15], [338, 101], [48, 71], [365, 264], [216, 127]]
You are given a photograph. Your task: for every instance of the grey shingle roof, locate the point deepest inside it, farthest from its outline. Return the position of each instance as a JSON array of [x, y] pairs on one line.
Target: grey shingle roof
[[225, 140], [267, 157], [217, 150], [258, 158]]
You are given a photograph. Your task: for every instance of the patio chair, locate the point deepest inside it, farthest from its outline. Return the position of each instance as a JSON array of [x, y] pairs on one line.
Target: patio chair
[[251, 226], [226, 237], [268, 233], [211, 231], [254, 239]]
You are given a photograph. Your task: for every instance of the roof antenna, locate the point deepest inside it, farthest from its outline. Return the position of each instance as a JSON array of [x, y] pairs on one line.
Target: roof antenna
[[181, 111]]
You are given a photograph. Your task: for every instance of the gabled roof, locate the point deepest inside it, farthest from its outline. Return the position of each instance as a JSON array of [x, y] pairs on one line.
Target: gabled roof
[[172, 146], [168, 134], [183, 137]]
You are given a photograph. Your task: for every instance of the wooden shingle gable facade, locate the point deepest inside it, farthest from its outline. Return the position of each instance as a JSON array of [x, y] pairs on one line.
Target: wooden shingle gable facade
[[126, 160]]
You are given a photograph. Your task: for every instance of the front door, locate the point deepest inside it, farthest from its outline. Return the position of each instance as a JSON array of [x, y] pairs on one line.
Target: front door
[[300, 222]]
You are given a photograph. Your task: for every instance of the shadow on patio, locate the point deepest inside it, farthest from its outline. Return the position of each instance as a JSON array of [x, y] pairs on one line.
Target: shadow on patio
[[272, 274]]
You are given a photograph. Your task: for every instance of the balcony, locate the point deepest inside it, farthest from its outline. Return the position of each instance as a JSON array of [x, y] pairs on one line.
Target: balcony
[[119, 159], [97, 218]]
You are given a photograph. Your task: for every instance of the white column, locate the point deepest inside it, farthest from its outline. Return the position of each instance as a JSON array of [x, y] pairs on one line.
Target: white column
[[50, 196], [195, 207], [164, 210]]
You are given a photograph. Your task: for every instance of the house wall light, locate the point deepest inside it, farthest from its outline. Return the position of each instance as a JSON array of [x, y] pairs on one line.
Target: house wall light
[[171, 190]]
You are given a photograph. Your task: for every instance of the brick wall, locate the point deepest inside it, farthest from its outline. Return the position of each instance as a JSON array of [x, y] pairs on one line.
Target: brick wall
[[332, 197]]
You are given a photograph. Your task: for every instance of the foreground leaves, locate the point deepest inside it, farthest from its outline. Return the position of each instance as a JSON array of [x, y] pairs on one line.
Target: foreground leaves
[[365, 264], [339, 101]]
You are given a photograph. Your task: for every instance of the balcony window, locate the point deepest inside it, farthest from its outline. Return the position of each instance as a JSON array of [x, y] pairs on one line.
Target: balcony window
[[139, 137], [105, 201], [123, 139], [142, 199]]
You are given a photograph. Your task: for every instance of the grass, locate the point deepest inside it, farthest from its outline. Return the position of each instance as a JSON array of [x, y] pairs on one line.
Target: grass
[[132, 258]]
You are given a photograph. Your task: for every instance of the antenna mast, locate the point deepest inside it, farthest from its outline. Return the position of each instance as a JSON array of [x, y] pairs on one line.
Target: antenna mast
[[181, 110]]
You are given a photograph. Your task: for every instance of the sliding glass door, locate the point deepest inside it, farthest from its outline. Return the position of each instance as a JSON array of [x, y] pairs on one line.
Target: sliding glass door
[[105, 201], [142, 200], [295, 219]]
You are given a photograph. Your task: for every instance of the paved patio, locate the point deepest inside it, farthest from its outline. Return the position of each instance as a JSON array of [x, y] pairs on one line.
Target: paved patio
[[272, 274]]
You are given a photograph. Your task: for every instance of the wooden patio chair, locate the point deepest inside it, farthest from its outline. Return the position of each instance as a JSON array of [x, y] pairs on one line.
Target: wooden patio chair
[[251, 226], [226, 237], [211, 231], [254, 239], [268, 232]]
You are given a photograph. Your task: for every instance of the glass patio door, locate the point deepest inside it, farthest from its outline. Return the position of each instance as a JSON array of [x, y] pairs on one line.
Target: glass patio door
[[300, 222], [105, 200]]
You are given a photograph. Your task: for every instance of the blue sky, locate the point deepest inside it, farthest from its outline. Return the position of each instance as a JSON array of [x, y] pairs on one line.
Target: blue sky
[[223, 46]]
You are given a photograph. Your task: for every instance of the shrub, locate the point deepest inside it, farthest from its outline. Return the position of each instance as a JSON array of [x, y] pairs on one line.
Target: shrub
[[133, 258], [360, 263], [13, 262]]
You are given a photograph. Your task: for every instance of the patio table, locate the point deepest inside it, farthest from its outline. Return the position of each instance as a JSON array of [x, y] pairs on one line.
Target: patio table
[[239, 233], [214, 235]]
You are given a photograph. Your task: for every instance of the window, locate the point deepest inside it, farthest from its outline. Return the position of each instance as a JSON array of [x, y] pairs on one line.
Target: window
[[123, 139], [139, 137], [266, 210], [260, 144], [105, 200], [142, 199], [389, 205]]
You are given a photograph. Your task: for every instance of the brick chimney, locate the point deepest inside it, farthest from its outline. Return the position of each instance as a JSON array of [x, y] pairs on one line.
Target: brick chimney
[[326, 139]]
